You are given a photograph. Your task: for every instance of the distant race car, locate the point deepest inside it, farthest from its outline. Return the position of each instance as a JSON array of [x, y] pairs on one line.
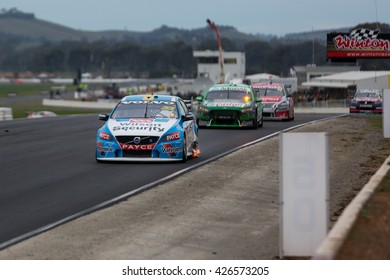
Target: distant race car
[[367, 101], [148, 128], [41, 114], [229, 105], [278, 102]]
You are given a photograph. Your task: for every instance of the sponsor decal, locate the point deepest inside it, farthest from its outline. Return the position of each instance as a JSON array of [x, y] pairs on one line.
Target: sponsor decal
[[173, 136], [271, 98], [275, 86], [148, 102], [104, 149], [141, 120], [170, 150], [162, 120], [137, 126], [230, 88], [229, 104], [366, 99], [104, 135], [359, 43], [131, 147]]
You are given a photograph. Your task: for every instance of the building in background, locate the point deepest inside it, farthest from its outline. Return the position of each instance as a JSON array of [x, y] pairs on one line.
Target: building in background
[[208, 65], [347, 83], [306, 74]]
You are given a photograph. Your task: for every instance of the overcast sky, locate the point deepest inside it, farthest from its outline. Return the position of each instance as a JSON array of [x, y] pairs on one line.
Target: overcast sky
[[276, 17]]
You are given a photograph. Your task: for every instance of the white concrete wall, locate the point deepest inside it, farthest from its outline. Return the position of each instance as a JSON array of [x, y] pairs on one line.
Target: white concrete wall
[[380, 82], [213, 70], [5, 113]]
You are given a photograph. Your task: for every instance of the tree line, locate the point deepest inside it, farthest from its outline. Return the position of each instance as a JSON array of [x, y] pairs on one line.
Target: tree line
[[123, 59]]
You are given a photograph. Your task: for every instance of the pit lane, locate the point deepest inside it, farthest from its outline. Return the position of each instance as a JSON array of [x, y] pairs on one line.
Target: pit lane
[[49, 175]]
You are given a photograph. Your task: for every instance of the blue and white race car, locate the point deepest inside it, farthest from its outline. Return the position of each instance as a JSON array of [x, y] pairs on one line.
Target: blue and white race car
[[148, 128]]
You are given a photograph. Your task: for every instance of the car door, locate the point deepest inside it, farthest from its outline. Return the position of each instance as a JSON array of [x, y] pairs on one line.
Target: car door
[[188, 125], [258, 105]]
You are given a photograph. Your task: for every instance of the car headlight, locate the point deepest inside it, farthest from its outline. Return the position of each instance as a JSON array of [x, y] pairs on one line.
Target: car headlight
[[282, 105], [203, 109], [246, 110]]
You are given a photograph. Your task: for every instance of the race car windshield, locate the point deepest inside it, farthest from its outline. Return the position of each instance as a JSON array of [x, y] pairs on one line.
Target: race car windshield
[[362, 94], [268, 92], [145, 110], [237, 95], [158, 110], [129, 110]]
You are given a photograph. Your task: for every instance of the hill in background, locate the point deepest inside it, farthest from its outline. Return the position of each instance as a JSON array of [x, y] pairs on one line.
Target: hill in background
[[31, 44], [28, 30]]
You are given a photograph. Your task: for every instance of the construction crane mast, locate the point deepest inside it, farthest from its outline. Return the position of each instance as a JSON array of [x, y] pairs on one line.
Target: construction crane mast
[[212, 26]]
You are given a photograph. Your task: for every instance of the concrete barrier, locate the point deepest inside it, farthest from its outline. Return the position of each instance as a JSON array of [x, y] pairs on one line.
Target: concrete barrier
[[337, 235], [5, 113], [100, 104], [110, 104]]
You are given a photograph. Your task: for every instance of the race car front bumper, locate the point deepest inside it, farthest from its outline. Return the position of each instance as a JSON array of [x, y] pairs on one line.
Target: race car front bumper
[[227, 118], [272, 114]]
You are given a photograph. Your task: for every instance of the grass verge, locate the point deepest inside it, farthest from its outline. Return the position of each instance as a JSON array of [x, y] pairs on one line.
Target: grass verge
[[369, 236]]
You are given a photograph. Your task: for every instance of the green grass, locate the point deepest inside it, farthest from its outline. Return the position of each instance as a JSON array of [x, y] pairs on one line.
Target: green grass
[[376, 121], [22, 108], [384, 185], [27, 89]]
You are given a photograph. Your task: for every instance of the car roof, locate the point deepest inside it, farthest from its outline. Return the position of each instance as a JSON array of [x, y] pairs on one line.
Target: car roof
[[369, 90], [229, 86], [267, 85], [150, 97]]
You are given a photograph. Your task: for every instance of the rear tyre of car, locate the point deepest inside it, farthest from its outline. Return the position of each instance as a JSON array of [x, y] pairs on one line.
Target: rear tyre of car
[[291, 116], [261, 121]]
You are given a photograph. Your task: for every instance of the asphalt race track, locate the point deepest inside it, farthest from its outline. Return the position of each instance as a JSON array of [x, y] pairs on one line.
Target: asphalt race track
[[49, 172]]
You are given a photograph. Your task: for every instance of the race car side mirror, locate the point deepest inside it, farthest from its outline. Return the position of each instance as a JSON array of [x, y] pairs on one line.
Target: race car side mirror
[[103, 117], [188, 104], [188, 117], [199, 98]]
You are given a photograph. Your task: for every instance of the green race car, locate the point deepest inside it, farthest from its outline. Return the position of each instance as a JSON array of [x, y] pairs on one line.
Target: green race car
[[230, 105]]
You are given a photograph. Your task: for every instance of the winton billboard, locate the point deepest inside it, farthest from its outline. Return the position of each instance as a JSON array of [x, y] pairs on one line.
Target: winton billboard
[[361, 43]]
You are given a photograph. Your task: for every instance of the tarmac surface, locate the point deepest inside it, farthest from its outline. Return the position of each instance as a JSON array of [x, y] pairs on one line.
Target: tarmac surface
[[222, 210], [217, 211]]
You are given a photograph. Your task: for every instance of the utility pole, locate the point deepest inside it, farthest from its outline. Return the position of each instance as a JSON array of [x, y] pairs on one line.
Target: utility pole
[[312, 34], [212, 26]]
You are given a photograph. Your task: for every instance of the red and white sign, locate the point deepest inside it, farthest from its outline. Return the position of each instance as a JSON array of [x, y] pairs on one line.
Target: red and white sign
[[358, 44]]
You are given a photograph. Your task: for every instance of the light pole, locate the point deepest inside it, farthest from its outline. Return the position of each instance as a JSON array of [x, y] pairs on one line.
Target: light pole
[[212, 26]]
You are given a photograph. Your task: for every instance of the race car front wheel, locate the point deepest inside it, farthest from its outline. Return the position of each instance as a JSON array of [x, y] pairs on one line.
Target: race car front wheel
[[184, 157], [261, 121], [255, 123]]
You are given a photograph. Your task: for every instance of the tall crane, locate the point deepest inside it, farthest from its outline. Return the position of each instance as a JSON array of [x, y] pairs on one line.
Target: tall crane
[[212, 26]]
